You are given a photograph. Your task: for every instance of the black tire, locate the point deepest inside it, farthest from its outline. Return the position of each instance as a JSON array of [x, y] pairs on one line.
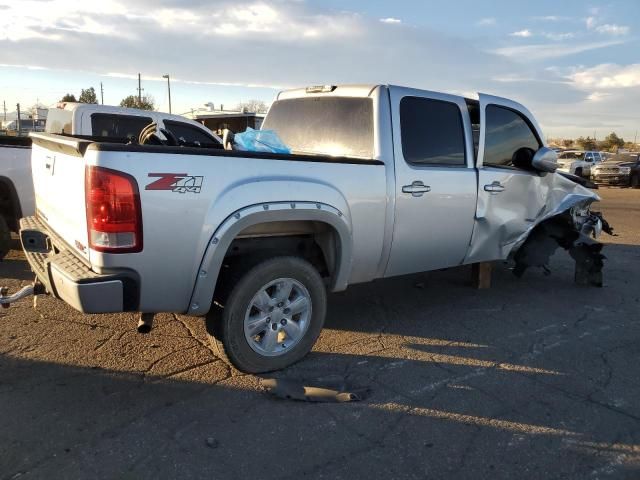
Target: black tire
[[5, 237], [635, 181], [226, 325], [578, 172]]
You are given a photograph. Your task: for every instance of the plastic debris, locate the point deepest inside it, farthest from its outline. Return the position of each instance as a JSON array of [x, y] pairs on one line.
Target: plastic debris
[[259, 141]]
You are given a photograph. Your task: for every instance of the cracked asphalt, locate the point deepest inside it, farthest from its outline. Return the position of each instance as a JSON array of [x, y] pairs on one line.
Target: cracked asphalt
[[534, 378]]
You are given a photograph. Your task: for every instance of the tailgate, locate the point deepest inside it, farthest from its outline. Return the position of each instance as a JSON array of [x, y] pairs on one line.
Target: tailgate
[[58, 167]]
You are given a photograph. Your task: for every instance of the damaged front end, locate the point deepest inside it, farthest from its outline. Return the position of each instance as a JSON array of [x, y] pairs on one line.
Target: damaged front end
[[575, 230]]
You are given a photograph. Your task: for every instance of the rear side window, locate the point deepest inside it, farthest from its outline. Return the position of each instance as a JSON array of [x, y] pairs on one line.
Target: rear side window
[[432, 132], [188, 133], [120, 126], [334, 126], [59, 121], [507, 133]]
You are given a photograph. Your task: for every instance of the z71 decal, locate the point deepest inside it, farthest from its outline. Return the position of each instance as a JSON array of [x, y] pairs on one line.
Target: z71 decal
[[176, 182]]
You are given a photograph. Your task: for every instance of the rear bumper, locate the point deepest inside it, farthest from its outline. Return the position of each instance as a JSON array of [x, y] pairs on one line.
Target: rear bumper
[[68, 278]]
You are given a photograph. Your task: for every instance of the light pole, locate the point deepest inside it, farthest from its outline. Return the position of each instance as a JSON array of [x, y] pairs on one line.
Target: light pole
[[168, 89]]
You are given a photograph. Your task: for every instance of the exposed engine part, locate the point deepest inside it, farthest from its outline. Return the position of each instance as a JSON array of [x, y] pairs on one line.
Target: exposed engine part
[[574, 231]]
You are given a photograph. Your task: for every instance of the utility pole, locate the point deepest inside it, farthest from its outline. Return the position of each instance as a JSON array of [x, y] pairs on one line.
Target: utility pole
[[101, 94], [169, 89], [18, 119], [139, 91], [4, 107]]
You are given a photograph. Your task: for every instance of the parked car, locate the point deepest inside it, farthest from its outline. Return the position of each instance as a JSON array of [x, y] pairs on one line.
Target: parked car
[[578, 162], [382, 181], [82, 119], [622, 169]]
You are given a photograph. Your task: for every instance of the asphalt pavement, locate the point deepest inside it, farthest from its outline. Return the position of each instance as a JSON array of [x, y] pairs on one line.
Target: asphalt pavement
[[534, 378]]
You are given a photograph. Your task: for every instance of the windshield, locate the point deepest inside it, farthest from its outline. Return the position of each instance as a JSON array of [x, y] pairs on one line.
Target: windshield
[[571, 156], [335, 126]]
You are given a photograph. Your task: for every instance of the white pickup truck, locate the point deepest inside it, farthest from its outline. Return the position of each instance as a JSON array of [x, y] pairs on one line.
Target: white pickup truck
[[80, 119], [382, 181]]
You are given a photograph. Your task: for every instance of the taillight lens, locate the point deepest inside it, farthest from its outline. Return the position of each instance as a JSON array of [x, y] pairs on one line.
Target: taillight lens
[[114, 216]]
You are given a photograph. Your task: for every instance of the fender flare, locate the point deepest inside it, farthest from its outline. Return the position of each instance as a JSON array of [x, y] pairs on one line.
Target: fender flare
[[207, 277]]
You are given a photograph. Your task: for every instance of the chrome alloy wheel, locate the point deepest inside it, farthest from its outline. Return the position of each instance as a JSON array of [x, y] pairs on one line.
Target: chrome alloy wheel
[[277, 317]]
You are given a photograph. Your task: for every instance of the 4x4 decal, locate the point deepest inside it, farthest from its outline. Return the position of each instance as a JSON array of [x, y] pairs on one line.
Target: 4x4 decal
[[176, 182]]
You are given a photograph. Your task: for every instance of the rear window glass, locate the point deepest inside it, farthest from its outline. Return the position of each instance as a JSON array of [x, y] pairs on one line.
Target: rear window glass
[[571, 156], [188, 133], [59, 121], [121, 126], [334, 126], [432, 132]]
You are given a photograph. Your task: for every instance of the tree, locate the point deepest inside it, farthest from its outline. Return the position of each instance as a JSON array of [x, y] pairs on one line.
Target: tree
[[147, 103], [612, 142], [88, 96], [586, 143], [567, 143], [69, 97], [253, 106]]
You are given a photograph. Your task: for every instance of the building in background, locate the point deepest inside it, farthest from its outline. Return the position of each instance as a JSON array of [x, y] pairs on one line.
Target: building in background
[[31, 120], [218, 120]]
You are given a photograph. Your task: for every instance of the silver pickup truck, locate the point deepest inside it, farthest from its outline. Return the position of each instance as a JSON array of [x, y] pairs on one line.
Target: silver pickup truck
[[382, 181]]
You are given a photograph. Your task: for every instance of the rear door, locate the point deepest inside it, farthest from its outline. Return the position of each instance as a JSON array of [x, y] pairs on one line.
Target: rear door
[[435, 181], [511, 196]]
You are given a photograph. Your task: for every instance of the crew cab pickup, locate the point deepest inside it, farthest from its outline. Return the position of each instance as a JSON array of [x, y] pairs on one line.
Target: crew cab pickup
[[578, 162], [82, 119], [382, 181]]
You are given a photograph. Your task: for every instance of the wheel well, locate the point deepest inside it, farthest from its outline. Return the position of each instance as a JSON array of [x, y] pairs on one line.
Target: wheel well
[[316, 242]]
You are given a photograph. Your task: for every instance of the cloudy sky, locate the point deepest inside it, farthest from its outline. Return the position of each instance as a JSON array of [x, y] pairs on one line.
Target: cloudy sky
[[575, 64]]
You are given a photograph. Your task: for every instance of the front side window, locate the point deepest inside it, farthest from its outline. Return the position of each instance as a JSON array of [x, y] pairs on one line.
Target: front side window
[[432, 132], [507, 134], [119, 126]]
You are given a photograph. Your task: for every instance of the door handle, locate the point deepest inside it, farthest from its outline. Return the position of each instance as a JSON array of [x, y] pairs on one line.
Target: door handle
[[494, 187], [416, 189]]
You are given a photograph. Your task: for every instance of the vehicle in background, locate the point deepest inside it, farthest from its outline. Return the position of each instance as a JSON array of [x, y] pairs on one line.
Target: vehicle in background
[[382, 181], [79, 119], [606, 155], [622, 169], [578, 162]]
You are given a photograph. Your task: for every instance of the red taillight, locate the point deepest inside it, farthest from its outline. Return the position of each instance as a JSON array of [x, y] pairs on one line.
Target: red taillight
[[114, 216]]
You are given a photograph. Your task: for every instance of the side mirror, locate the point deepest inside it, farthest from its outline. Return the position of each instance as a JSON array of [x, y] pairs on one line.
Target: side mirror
[[545, 160]]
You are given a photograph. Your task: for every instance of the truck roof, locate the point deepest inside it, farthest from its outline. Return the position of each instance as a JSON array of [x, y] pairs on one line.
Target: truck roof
[[355, 90], [76, 106]]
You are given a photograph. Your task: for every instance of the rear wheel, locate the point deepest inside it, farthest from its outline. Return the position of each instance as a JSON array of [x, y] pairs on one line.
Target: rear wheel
[[635, 181], [5, 237], [578, 172], [271, 317]]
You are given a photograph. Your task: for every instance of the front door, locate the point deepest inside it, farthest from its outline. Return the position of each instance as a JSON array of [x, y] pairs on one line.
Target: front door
[[511, 197], [435, 181]]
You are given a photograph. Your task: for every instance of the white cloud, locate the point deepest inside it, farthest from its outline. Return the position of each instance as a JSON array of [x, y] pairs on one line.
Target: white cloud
[[591, 22], [522, 33], [549, 18], [390, 20], [597, 96], [559, 36], [606, 76], [486, 22], [546, 51], [612, 29]]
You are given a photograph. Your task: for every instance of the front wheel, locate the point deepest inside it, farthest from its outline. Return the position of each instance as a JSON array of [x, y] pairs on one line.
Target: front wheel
[[272, 317], [635, 181]]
